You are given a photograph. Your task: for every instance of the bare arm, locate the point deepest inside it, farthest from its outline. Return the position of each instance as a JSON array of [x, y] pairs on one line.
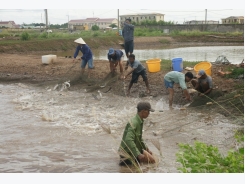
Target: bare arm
[[187, 95], [206, 92], [131, 71]]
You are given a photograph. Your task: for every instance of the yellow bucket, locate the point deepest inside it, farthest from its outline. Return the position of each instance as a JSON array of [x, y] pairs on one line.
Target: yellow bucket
[[206, 66], [153, 65]]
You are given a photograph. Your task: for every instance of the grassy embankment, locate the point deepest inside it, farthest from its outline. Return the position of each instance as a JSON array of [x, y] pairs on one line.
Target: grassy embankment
[[62, 40]]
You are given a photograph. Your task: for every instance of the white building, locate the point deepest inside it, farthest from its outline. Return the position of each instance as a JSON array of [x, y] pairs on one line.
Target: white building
[[139, 17], [193, 22], [8, 24], [87, 24]]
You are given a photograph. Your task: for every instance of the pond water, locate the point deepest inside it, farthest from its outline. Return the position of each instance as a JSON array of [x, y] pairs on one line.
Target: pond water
[[45, 130], [235, 54]]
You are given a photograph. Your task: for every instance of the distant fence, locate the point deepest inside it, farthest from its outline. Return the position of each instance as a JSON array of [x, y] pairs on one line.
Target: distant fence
[[221, 28]]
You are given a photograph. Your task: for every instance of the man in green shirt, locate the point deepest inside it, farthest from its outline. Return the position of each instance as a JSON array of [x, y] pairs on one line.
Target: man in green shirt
[[177, 77], [132, 147]]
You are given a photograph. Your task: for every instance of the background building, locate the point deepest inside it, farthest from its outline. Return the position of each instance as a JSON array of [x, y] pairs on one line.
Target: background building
[[201, 22], [233, 20], [8, 24], [142, 17], [86, 24]]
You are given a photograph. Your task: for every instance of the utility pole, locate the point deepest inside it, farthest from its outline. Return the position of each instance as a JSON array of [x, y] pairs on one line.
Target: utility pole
[[118, 22], [68, 23], [205, 16], [46, 16]]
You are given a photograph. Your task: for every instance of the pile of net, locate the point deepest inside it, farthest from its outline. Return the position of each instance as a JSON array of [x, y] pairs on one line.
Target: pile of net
[[221, 60]]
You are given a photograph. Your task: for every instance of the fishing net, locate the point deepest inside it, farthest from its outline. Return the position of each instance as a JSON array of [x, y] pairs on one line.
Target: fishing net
[[221, 60]]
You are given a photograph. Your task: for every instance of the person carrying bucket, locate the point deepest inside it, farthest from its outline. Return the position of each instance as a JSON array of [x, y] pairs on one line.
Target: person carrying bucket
[[203, 84], [87, 55], [179, 78]]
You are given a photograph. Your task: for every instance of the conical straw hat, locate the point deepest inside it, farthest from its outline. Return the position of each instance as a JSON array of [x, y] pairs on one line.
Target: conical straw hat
[[80, 40]]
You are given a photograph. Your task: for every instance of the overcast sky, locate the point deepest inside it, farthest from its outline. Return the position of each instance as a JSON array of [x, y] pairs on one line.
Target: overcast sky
[[59, 13]]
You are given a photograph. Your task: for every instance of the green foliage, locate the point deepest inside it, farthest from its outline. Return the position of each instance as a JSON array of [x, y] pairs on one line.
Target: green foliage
[[43, 35], [236, 72], [95, 28], [147, 32], [96, 34], [57, 26], [25, 36], [113, 25], [203, 158], [152, 23]]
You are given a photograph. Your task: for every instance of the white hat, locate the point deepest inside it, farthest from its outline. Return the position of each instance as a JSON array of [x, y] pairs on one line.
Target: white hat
[[80, 40]]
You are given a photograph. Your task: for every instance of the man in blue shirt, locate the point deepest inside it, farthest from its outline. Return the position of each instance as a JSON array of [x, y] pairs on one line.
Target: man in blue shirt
[[87, 55], [115, 57], [128, 35], [137, 70]]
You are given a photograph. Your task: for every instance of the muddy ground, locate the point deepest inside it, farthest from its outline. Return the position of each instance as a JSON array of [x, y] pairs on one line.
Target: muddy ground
[[61, 145], [28, 68]]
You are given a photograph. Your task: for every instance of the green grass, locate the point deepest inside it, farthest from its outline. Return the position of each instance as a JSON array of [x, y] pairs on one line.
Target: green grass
[[236, 72], [202, 33], [164, 41], [37, 34]]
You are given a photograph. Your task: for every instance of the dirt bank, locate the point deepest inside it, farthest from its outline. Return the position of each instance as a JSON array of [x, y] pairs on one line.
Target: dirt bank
[[22, 63], [39, 46], [29, 69]]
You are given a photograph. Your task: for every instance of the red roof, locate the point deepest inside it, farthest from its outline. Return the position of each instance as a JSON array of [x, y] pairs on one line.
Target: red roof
[[105, 20], [93, 19], [6, 22], [78, 20]]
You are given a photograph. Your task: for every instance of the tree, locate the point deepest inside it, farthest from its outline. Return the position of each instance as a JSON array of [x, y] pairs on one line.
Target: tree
[[113, 25], [95, 28]]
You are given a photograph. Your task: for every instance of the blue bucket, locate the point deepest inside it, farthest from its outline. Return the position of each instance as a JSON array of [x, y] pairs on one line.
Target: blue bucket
[[177, 64]]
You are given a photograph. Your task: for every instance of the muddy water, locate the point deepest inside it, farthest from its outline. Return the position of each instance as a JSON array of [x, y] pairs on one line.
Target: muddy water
[[235, 54], [44, 130]]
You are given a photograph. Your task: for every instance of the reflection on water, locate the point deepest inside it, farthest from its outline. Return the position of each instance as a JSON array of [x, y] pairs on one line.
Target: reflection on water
[[42, 130], [235, 54]]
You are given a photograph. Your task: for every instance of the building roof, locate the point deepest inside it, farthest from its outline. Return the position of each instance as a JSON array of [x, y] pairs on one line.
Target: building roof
[[202, 21], [139, 14], [234, 17], [105, 20], [92, 20], [6, 22], [78, 20]]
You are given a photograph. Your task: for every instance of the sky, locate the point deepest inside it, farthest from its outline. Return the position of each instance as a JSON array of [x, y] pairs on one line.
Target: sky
[[60, 14]]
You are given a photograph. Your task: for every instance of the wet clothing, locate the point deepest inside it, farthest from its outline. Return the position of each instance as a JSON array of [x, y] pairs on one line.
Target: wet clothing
[[128, 32], [90, 63], [129, 46], [87, 53], [116, 57], [132, 141], [135, 76], [136, 65], [139, 70], [128, 36], [208, 80], [175, 77]]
